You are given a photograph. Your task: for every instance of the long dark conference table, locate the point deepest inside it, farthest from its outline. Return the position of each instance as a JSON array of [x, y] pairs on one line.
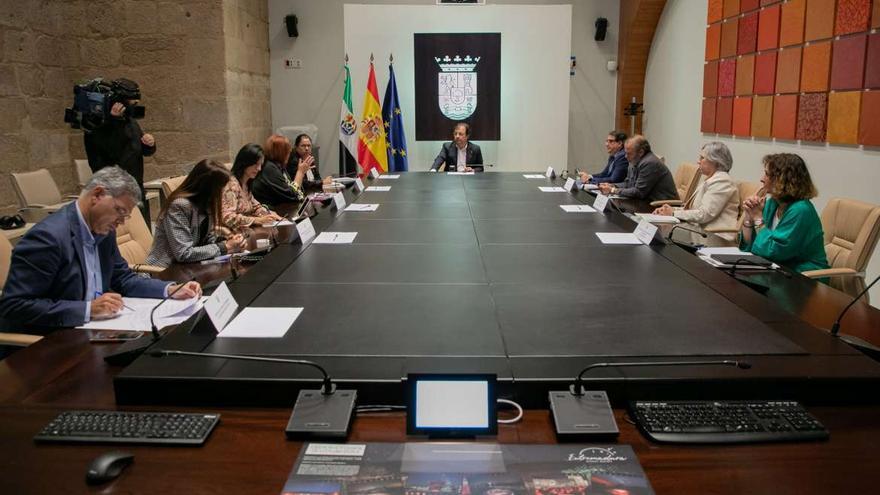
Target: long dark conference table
[[479, 273]]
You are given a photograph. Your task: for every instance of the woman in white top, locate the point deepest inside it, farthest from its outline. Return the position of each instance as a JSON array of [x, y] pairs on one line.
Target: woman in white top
[[715, 202]]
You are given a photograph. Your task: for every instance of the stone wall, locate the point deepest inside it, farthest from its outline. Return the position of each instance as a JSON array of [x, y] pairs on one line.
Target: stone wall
[[202, 66], [245, 27]]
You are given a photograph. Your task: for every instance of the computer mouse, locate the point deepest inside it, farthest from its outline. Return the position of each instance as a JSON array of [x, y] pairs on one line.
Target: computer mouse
[[107, 466]]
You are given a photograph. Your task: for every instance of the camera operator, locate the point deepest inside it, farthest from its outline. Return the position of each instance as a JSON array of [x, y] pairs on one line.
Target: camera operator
[[120, 140]]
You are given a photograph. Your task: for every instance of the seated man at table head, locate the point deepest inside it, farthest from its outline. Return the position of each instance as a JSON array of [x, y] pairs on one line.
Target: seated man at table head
[[240, 209], [273, 185], [189, 227], [67, 269], [615, 169], [715, 201], [459, 155], [647, 177], [783, 226], [302, 150]]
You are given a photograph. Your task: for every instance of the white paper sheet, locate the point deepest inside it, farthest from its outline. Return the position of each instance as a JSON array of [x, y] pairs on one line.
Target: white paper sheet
[[618, 238], [578, 208], [591, 187], [658, 218], [282, 223], [173, 312], [459, 173], [551, 189], [335, 238], [389, 176], [378, 188], [363, 207], [534, 176], [272, 323]]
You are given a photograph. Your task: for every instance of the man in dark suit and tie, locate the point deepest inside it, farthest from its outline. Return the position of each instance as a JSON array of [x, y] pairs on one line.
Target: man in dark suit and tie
[[460, 155], [67, 269]]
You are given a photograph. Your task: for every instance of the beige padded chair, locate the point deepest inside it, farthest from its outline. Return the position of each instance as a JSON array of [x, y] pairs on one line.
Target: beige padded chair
[[851, 230], [6, 338], [83, 172], [38, 194], [170, 184], [746, 190], [686, 177], [135, 240]]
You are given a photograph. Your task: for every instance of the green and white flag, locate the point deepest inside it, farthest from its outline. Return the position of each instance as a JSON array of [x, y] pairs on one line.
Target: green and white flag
[[348, 132]]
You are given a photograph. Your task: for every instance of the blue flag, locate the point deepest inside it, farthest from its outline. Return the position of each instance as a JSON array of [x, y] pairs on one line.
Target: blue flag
[[394, 136]]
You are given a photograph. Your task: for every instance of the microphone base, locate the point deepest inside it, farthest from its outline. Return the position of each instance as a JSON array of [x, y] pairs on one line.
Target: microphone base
[[124, 354], [317, 416], [583, 417], [866, 348]]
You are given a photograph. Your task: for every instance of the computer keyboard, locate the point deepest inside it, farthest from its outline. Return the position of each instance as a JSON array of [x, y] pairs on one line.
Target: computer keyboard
[[726, 421], [129, 427]]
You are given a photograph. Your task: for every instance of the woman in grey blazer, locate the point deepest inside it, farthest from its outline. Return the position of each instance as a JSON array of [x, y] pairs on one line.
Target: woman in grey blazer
[[188, 228]]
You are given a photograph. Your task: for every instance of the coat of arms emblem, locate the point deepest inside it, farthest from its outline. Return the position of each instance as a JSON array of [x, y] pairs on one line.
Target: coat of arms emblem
[[457, 86]]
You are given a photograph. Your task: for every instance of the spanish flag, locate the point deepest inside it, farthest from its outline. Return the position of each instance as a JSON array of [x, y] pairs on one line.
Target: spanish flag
[[372, 148]]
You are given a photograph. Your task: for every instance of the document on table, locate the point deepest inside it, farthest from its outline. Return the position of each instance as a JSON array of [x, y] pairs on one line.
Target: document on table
[[706, 253], [272, 323], [534, 176], [591, 187], [552, 189], [578, 208], [389, 176], [618, 238], [658, 218], [459, 173], [363, 207], [335, 238], [137, 315], [281, 223], [378, 188]]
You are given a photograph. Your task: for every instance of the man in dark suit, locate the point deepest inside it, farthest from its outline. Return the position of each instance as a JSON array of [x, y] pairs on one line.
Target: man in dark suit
[[648, 178], [460, 155], [67, 269]]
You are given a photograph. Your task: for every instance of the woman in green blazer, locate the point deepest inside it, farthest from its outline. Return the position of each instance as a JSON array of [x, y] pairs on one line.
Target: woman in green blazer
[[783, 226]]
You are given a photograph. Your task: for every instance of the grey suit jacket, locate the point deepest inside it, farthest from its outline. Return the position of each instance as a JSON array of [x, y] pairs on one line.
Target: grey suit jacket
[[648, 179]]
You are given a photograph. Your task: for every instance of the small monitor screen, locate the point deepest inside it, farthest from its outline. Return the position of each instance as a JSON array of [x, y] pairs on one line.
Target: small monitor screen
[[452, 405]]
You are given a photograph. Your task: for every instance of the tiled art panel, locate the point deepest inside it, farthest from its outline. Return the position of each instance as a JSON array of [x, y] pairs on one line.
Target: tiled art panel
[[793, 69]]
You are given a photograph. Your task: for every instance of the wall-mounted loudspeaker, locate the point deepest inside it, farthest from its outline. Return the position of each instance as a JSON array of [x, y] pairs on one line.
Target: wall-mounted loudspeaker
[[290, 21], [601, 28]]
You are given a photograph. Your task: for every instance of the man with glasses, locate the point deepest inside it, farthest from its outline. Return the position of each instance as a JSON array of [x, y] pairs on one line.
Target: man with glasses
[[615, 169], [67, 269]]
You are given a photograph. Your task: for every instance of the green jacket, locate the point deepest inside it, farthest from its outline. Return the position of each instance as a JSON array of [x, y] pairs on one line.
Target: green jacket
[[796, 242]]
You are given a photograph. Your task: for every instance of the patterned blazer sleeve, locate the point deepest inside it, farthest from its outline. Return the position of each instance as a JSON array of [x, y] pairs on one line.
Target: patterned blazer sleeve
[[182, 234]]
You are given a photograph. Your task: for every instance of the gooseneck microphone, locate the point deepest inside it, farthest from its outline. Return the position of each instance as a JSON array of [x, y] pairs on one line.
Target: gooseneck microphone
[[153, 327], [328, 388], [317, 414], [578, 390], [691, 248], [866, 347], [587, 415], [125, 353], [682, 227]]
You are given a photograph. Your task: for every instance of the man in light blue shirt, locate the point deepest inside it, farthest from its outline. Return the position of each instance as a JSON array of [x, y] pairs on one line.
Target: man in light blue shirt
[[67, 269]]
